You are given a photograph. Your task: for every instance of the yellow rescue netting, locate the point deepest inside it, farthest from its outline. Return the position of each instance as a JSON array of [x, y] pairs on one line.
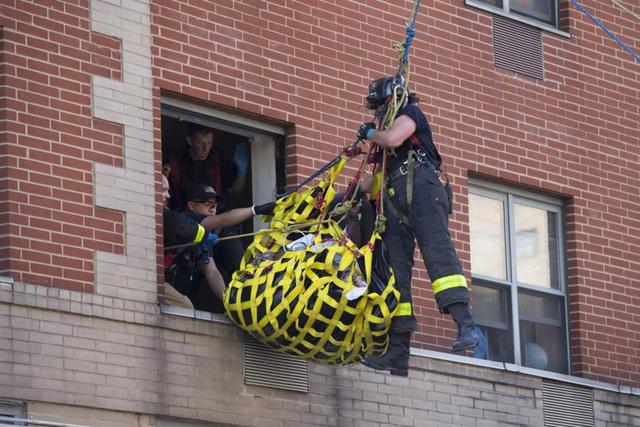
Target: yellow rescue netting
[[302, 286]]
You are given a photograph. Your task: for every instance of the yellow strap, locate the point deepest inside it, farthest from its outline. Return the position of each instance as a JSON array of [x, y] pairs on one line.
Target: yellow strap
[[200, 234], [447, 282], [404, 309]]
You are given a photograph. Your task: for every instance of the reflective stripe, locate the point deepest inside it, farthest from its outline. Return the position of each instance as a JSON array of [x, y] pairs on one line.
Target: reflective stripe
[[404, 309], [200, 234], [447, 282]]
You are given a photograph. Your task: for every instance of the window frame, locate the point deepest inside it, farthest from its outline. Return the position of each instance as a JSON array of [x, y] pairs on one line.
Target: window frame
[[505, 12], [511, 196]]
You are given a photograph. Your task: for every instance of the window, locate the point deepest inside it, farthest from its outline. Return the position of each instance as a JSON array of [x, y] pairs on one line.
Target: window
[[543, 12], [519, 296], [200, 149]]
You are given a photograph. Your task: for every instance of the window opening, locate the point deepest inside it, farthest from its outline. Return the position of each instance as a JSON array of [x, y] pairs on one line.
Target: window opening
[[519, 294], [545, 14], [214, 162]]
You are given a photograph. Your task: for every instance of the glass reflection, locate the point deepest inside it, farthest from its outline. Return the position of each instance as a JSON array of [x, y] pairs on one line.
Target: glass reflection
[[486, 224], [536, 246]]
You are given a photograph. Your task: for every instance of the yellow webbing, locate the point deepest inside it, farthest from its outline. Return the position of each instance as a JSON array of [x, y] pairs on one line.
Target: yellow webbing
[[296, 300]]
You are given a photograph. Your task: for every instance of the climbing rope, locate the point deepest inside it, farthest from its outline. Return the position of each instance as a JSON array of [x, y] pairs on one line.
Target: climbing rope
[[623, 7], [606, 30]]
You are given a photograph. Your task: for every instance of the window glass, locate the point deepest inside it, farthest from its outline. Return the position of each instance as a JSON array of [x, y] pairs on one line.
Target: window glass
[[490, 305], [536, 246], [492, 312], [542, 10], [496, 3], [542, 332], [486, 224]]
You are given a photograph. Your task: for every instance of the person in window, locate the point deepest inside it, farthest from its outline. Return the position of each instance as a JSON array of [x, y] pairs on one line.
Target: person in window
[[417, 205], [200, 162], [193, 267]]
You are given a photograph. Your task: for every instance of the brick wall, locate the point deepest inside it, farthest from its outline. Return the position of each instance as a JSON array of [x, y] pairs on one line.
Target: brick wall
[[79, 162], [51, 226]]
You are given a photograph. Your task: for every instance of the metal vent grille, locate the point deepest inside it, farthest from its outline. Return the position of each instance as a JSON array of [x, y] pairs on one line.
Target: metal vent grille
[[266, 367], [517, 47], [567, 405]]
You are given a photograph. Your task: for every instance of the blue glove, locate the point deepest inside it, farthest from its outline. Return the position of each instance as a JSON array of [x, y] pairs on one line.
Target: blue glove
[[366, 130], [241, 158], [211, 239]]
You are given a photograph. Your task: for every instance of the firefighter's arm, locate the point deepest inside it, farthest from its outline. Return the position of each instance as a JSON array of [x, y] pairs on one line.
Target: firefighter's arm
[[180, 229], [226, 219], [236, 216], [401, 129]]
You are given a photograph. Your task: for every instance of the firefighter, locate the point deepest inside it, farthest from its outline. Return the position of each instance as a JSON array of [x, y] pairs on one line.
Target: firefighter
[[196, 227], [417, 206]]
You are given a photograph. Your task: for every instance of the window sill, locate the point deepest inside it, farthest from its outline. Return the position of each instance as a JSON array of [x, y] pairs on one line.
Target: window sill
[[194, 314], [523, 19], [508, 367]]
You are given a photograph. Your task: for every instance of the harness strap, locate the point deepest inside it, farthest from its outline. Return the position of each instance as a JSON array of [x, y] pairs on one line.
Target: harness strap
[[393, 211]]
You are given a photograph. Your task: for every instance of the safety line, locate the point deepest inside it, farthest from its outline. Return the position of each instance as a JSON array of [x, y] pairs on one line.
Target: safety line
[[623, 7], [601, 25]]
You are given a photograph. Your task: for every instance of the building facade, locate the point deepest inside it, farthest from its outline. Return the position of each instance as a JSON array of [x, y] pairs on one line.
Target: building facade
[[535, 110]]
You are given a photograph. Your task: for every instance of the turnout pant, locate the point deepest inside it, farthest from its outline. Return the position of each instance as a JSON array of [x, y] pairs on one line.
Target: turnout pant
[[425, 220]]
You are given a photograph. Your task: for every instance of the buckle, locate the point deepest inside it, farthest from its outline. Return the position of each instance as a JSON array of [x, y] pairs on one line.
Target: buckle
[[403, 169]]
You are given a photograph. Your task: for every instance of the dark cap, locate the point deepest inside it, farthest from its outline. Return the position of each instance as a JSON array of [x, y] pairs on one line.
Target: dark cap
[[201, 193]]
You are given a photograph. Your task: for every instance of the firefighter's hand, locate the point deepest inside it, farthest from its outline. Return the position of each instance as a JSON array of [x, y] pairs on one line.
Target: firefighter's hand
[[366, 130]]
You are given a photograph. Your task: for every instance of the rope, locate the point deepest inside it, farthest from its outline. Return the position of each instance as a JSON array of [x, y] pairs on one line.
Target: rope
[[350, 151], [629, 11], [606, 30], [255, 233], [403, 48]]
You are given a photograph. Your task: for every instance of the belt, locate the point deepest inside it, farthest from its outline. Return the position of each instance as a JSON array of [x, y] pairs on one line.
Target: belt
[[421, 159]]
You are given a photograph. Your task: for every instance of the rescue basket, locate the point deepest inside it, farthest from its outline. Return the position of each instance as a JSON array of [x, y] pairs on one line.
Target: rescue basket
[[304, 288]]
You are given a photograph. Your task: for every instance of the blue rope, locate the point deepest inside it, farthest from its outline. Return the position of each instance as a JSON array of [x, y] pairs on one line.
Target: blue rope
[[601, 25], [411, 33]]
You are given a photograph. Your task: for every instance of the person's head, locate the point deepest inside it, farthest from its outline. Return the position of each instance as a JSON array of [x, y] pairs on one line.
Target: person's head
[[381, 90], [200, 140], [165, 190], [202, 199]]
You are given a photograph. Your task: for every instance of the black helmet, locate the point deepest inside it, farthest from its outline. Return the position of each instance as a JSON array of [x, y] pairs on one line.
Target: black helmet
[[379, 90]]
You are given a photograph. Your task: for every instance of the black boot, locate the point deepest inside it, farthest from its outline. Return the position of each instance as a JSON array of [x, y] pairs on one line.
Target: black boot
[[467, 338], [396, 359]]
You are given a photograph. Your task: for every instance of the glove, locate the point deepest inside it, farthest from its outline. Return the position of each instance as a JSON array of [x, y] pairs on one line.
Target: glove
[[211, 239], [241, 158], [366, 130], [264, 209]]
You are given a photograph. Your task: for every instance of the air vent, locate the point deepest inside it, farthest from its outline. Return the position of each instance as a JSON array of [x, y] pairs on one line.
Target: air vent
[[266, 367], [517, 47], [12, 409], [567, 405]]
